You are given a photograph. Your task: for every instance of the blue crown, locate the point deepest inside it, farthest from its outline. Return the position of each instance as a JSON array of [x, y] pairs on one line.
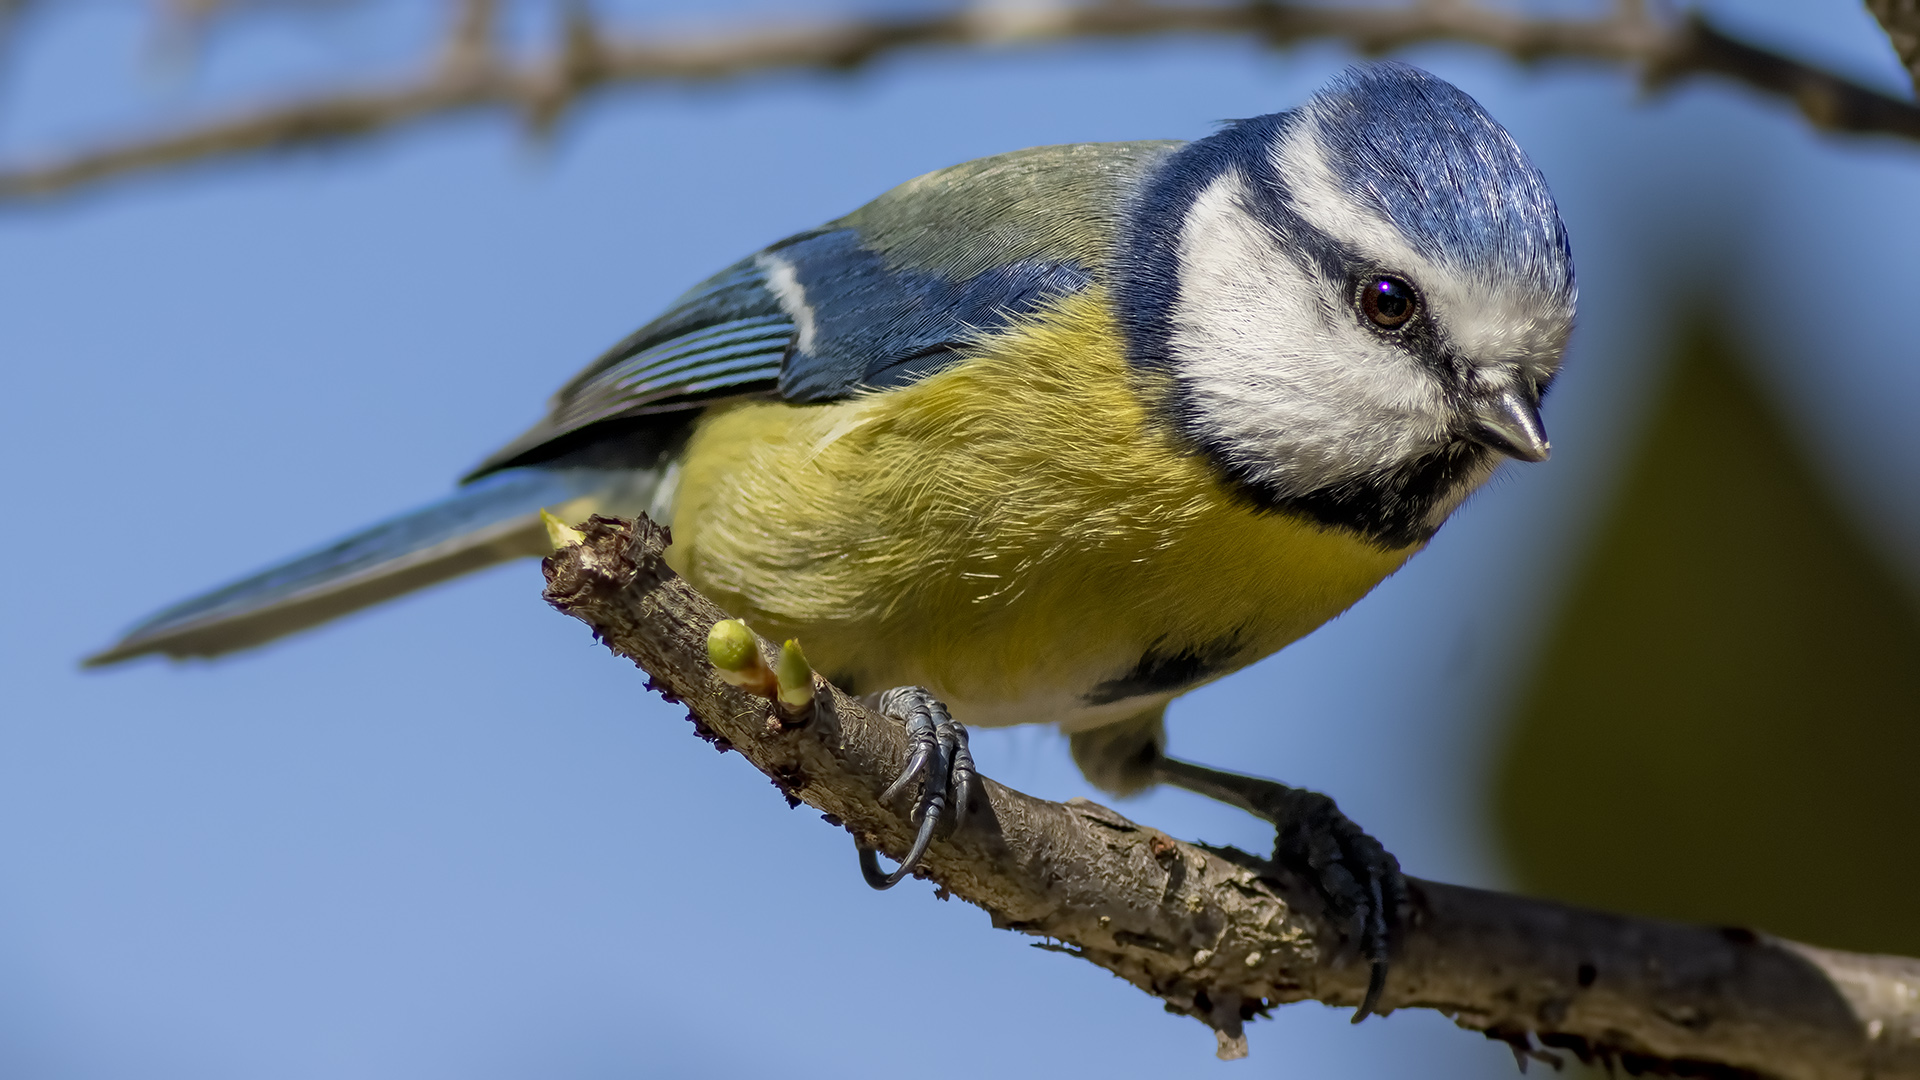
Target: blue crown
[[1429, 159]]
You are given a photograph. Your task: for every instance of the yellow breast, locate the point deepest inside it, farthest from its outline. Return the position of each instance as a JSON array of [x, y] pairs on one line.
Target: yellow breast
[[1014, 533]]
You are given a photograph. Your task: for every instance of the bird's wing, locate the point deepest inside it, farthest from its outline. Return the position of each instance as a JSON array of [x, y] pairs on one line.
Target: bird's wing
[[884, 296]]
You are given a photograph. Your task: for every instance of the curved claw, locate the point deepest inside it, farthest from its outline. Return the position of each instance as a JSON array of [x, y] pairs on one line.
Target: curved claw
[[870, 860], [1387, 896], [1376, 985], [961, 775], [1375, 946], [938, 755], [921, 754]]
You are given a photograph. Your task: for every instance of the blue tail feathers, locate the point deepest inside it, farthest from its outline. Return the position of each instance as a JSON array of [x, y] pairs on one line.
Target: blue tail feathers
[[490, 520]]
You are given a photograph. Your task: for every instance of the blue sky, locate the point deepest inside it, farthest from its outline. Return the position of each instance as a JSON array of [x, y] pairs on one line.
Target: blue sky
[[451, 837]]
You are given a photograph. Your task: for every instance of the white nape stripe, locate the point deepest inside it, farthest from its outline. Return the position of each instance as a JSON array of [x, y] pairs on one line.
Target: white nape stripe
[[792, 295]]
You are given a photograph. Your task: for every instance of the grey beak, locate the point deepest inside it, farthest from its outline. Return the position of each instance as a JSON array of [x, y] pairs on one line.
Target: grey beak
[[1510, 423]]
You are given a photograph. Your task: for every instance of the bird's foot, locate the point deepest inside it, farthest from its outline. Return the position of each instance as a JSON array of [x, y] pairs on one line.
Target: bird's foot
[[1359, 880], [937, 757]]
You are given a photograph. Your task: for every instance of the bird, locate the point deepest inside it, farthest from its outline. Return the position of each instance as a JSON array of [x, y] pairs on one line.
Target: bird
[[1053, 436]]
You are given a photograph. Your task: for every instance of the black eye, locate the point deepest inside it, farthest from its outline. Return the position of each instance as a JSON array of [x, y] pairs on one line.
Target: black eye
[[1388, 302]]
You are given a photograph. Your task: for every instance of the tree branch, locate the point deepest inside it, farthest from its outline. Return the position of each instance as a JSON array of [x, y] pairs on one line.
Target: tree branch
[[1901, 20], [472, 74], [1222, 936]]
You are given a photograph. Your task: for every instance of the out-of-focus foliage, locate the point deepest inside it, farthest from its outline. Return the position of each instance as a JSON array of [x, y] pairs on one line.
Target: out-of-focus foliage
[[1724, 725]]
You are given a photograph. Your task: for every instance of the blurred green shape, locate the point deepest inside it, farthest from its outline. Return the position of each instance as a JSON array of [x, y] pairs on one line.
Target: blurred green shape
[[1724, 725]]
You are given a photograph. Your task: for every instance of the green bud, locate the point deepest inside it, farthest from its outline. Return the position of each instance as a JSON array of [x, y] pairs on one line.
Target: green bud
[[732, 650], [794, 676], [559, 533]]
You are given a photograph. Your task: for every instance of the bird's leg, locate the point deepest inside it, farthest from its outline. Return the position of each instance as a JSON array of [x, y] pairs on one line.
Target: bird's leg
[[1359, 879], [937, 757]]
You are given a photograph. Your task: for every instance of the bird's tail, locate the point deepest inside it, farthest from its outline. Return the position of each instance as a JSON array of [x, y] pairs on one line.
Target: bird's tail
[[488, 521]]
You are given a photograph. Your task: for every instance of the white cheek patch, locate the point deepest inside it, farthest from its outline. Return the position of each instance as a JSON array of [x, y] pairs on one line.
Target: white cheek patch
[[1282, 380], [786, 288], [1501, 323]]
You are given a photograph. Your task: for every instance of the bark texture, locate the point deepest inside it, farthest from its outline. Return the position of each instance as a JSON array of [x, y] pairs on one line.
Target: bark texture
[[1222, 935]]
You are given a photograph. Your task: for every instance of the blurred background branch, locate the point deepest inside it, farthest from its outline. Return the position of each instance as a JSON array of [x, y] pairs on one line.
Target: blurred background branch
[[1901, 20], [471, 70]]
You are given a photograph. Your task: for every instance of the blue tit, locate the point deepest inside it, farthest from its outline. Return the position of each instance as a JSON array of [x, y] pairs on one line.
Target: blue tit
[[1056, 435]]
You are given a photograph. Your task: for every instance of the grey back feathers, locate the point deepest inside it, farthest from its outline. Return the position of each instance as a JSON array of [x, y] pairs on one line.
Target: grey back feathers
[[1048, 204]]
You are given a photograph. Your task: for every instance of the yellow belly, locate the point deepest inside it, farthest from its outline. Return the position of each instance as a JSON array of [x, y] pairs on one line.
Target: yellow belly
[[1010, 533]]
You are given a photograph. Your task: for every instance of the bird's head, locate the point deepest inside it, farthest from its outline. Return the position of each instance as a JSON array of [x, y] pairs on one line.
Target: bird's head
[[1354, 307]]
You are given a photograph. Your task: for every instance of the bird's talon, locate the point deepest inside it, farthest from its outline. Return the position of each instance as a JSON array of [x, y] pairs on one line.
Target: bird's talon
[[916, 765], [1357, 878], [1376, 985], [939, 758]]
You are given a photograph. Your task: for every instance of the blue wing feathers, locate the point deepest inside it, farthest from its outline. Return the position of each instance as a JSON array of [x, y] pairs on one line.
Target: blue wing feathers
[[879, 326], [724, 337], [736, 293], [743, 353]]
